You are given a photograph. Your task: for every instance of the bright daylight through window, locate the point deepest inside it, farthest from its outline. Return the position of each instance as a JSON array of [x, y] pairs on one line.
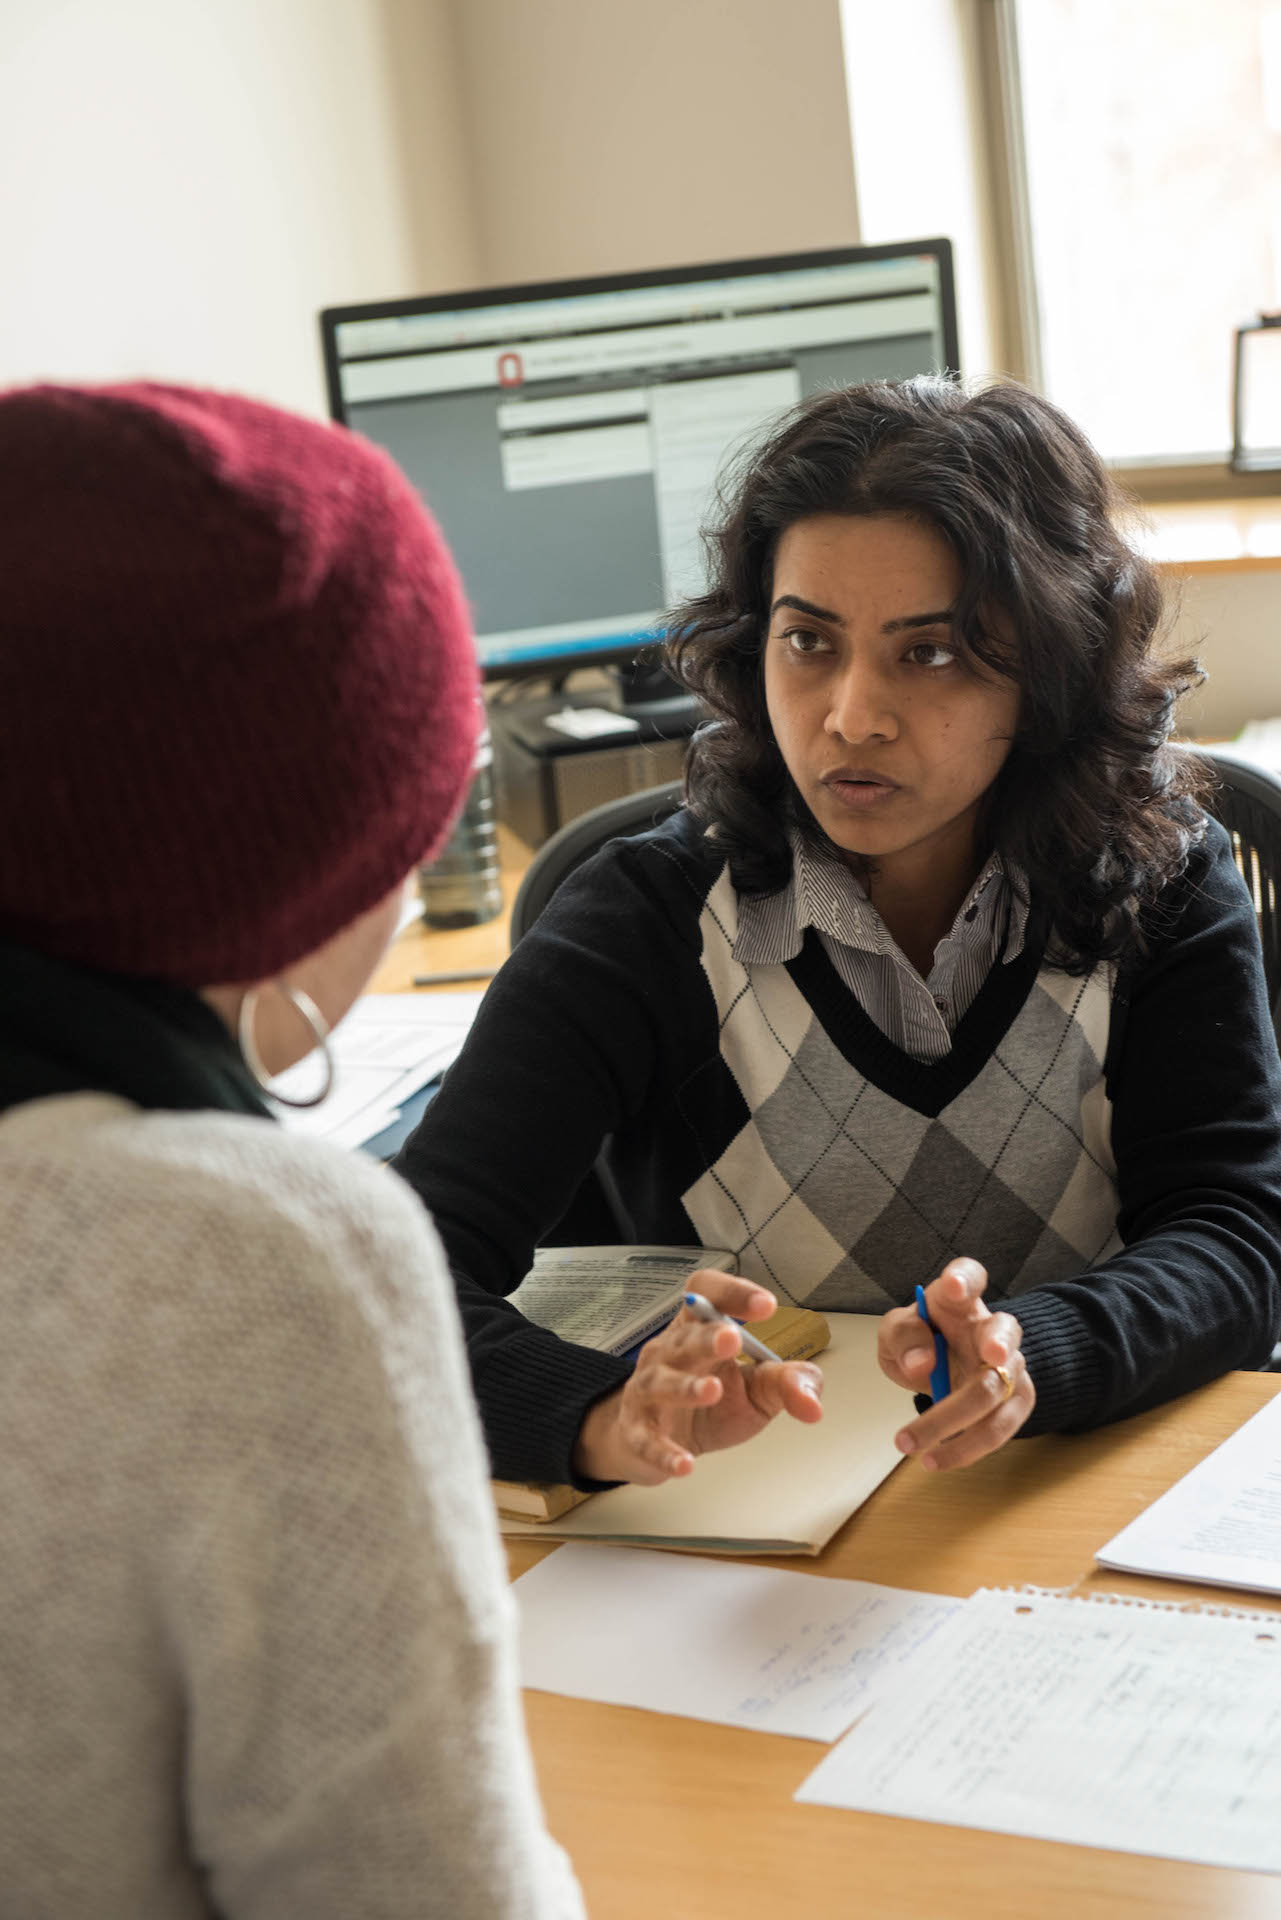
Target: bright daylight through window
[[1153, 142]]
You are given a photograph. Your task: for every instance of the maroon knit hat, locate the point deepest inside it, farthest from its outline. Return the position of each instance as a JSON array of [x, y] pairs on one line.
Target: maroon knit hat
[[238, 694]]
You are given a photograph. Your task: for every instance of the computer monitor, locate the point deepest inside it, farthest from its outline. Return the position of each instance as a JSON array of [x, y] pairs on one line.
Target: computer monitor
[[569, 436]]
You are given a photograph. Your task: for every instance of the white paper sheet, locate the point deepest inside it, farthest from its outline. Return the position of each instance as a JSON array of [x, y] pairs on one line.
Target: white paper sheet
[[748, 1646], [1221, 1522], [1124, 1725], [389, 1046], [786, 1491]]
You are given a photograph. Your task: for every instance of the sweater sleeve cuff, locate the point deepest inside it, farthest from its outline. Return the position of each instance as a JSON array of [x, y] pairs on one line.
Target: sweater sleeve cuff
[[535, 1394], [1061, 1357]]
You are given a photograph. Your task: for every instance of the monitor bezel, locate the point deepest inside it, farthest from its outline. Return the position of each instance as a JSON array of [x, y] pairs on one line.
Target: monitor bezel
[[465, 300]]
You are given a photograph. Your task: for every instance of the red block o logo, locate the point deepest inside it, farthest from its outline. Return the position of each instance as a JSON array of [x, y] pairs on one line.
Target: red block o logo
[[511, 372]]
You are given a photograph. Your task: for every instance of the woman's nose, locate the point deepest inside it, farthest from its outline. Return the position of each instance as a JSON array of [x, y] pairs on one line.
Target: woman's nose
[[861, 707]]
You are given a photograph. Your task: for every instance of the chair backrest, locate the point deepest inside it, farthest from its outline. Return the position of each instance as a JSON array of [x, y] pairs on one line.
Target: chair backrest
[[1247, 799], [580, 839]]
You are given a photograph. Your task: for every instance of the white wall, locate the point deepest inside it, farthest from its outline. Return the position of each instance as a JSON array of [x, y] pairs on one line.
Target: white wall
[[186, 182], [612, 135], [1231, 622]]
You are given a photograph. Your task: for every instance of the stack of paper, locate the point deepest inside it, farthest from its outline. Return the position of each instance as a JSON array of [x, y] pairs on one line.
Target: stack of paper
[[1221, 1522], [389, 1046]]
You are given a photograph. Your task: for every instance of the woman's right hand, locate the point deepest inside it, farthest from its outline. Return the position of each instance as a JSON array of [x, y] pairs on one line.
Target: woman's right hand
[[688, 1395]]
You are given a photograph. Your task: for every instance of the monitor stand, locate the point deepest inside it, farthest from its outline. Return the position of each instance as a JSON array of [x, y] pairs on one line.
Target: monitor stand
[[649, 694]]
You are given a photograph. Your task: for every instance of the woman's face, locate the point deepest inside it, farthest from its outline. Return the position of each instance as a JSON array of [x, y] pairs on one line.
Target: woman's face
[[891, 736]]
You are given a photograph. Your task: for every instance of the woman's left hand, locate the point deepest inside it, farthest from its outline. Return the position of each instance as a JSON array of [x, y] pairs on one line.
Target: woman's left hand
[[992, 1392]]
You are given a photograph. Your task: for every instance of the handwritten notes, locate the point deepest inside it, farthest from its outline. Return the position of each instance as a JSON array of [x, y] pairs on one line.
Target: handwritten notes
[[1125, 1725], [1221, 1522], [748, 1646]]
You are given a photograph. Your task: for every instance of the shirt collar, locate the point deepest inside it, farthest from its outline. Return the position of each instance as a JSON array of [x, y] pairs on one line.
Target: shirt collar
[[822, 893]]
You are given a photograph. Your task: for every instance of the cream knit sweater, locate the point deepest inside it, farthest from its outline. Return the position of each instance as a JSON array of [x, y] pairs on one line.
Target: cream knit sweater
[[256, 1642]]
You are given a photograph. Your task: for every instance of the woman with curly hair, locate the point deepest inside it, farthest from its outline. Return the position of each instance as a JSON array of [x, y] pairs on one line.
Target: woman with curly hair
[[943, 976]]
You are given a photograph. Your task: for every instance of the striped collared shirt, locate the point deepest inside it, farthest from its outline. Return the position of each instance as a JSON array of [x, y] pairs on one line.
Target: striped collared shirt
[[920, 1016]]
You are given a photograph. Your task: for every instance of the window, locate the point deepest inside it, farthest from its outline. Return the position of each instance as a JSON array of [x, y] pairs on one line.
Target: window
[[1151, 132]]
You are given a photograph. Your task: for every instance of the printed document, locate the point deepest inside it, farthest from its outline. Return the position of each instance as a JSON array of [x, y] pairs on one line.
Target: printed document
[[1221, 1522], [388, 1047]]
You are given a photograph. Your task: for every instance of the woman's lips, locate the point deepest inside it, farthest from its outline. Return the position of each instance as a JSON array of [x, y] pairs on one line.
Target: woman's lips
[[860, 791]]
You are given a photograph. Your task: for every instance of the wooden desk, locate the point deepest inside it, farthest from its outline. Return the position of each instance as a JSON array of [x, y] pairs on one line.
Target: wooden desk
[[671, 1819]]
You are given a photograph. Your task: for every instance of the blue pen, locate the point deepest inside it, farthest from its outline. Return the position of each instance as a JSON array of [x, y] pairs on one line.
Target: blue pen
[[940, 1378]]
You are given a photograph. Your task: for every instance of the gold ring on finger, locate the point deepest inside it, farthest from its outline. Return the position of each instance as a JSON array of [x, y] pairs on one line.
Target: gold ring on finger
[[1006, 1378]]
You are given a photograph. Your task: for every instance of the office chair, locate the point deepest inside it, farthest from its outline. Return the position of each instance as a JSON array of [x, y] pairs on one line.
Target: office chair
[[579, 839], [1247, 800]]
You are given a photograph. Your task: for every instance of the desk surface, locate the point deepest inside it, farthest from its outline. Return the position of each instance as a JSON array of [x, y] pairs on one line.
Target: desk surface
[[671, 1819]]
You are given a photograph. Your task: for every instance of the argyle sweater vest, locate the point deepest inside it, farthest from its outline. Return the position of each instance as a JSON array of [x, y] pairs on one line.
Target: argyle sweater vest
[[858, 1171]]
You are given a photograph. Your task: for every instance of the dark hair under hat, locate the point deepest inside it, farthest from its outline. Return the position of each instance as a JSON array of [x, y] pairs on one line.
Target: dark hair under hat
[[238, 692]]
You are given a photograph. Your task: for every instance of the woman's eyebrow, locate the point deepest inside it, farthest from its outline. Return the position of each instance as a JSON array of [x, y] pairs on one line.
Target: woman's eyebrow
[[942, 619], [806, 606]]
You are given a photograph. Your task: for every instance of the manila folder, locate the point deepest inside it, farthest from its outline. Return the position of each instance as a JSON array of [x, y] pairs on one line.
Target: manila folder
[[786, 1491]]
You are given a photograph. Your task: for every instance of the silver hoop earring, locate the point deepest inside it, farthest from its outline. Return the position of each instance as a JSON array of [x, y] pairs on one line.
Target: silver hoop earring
[[315, 1019]]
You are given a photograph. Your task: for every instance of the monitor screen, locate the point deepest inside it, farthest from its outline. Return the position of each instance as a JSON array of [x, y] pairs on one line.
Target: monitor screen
[[569, 437]]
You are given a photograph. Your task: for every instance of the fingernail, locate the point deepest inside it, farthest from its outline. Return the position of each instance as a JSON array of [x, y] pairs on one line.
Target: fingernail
[[905, 1442], [807, 1386], [929, 1463]]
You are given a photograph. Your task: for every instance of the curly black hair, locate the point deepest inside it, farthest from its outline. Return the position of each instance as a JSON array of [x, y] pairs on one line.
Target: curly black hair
[[1093, 804]]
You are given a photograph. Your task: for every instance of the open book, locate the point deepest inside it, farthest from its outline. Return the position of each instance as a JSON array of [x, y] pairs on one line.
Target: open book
[[786, 1491], [611, 1298]]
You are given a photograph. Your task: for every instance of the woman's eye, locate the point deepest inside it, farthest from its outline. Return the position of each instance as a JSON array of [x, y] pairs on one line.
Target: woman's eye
[[931, 653], [805, 640]]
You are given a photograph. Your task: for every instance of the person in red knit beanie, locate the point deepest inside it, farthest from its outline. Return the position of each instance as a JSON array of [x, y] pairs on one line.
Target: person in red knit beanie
[[256, 1648]]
